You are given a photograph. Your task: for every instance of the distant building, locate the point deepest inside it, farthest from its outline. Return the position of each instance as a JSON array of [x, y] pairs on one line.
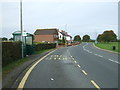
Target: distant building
[[60, 35], [67, 37], [46, 35]]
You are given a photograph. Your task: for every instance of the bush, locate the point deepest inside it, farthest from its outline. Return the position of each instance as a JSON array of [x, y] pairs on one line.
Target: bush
[[43, 46], [11, 51], [118, 40]]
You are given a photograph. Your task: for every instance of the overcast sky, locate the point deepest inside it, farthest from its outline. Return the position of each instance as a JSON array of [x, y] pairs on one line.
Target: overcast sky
[[76, 17]]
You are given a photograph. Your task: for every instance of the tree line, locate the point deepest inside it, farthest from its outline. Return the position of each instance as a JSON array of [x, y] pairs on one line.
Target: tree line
[[6, 39], [106, 36]]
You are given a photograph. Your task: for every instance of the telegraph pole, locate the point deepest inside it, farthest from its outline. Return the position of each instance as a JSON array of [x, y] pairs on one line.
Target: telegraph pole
[[96, 38], [21, 26], [65, 31]]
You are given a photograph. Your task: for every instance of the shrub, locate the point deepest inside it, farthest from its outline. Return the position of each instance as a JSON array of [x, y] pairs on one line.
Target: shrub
[[43, 46]]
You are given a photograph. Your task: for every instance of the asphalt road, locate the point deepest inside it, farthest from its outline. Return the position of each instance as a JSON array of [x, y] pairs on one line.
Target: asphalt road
[[81, 66]]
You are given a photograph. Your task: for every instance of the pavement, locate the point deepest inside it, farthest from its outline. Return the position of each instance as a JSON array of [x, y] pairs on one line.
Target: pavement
[[80, 66]]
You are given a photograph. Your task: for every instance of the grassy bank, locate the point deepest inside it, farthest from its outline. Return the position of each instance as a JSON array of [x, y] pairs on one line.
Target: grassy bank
[[8, 68], [108, 46]]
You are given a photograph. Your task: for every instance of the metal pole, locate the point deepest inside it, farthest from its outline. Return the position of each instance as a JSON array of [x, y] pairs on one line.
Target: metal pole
[[96, 38], [21, 26], [65, 36]]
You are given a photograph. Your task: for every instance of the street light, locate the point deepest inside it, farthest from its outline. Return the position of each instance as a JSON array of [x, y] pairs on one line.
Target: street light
[[21, 26]]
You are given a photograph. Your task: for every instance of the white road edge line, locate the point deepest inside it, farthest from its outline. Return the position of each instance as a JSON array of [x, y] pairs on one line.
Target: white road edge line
[[114, 61], [100, 56], [22, 83]]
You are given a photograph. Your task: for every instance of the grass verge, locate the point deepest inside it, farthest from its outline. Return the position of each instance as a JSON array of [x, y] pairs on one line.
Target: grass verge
[[8, 68], [108, 46]]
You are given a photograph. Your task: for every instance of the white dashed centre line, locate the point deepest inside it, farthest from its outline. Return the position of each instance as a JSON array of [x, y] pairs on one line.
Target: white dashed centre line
[[51, 79], [84, 72], [78, 65], [90, 52], [75, 61], [95, 85]]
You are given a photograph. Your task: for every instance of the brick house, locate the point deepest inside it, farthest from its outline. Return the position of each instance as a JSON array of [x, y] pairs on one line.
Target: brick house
[[46, 35]]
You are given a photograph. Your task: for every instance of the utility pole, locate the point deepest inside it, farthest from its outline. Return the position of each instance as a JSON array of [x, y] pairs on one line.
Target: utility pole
[[21, 27], [65, 35], [96, 38]]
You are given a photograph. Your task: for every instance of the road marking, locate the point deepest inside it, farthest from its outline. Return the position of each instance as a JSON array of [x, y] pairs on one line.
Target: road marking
[[55, 55], [90, 52], [87, 50], [51, 55], [96, 54], [59, 58], [100, 56], [95, 85], [111, 60], [22, 83], [84, 72], [114, 61], [51, 79], [47, 58], [78, 65], [75, 61], [65, 58]]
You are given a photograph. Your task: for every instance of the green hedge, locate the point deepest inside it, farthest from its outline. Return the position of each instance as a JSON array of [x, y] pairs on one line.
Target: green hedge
[[43, 46], [11, 51]]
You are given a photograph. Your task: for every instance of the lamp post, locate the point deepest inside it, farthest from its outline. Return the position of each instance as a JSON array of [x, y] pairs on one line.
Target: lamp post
[[21, 27]]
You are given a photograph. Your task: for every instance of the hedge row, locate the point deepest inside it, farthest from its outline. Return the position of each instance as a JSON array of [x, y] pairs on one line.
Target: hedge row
[[42, 46], [11, 51]]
